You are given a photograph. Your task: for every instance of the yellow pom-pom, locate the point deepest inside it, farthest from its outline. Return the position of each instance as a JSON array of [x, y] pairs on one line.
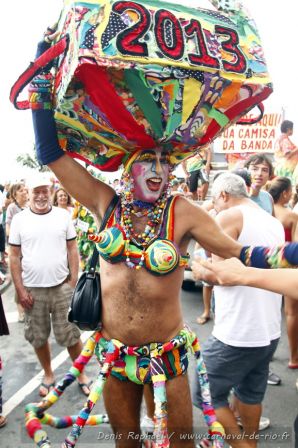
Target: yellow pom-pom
[[217, 430]]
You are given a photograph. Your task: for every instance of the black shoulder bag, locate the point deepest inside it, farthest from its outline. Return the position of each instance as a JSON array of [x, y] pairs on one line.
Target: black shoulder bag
[[85, 308]]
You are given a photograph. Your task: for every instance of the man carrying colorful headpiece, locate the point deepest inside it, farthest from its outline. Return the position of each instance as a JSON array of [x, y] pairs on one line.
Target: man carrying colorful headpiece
[[143, 251]]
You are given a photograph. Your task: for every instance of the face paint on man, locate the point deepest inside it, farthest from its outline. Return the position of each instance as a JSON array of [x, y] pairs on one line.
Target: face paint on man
[[150, 173]]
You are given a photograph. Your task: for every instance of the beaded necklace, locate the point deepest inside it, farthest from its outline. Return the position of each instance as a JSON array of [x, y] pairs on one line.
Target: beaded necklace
[[143, 239]]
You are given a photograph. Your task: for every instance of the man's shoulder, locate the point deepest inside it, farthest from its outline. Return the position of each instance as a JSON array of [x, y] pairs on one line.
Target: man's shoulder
[[264, 200], [231, 221], [265, 224], [180, 200], [229, 214], [255, 210]]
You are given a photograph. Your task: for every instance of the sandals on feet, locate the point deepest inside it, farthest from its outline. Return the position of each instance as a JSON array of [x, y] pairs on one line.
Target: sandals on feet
[[47, 388], [203, 319], [84, 386], [3, 421], [292, 366]]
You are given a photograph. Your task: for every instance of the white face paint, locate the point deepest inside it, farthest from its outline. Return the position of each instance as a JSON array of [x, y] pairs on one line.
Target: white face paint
[[150, 173]]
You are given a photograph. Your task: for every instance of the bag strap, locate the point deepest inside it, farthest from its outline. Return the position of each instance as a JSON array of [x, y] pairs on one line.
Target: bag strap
[[95, 255], [34, 69], [93, 261], [108, 212]]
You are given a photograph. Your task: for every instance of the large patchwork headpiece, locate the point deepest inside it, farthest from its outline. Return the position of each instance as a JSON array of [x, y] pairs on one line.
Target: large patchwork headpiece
[[146, 74]]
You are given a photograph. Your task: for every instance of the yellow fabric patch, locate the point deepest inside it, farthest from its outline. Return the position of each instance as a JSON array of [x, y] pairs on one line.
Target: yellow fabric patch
[[157, 378], [192, 93]]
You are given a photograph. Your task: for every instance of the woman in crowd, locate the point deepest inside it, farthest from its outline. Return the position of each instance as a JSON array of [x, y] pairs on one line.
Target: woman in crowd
[[286, 152], [63, 200], [281, 191], [19, 197]]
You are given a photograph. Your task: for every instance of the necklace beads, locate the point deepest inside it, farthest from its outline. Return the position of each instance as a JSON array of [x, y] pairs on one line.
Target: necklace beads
[[144, 238]]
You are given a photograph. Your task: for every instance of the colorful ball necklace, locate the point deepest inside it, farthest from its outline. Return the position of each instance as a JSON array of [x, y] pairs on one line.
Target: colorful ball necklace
[[142, 239]]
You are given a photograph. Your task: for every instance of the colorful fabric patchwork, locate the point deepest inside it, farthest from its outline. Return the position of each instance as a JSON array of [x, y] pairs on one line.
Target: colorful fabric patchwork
[[137, 368], [40, 92], [160, 361], [285, 256], [147, 74]]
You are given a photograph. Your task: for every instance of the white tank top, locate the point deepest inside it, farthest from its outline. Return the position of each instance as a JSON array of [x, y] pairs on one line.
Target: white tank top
[[246, 316]]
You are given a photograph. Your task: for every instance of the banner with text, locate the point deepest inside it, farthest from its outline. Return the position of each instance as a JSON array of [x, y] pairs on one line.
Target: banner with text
[[259, 137]]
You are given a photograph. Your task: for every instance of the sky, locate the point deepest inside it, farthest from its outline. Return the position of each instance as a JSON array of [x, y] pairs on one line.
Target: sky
[[22, 28]]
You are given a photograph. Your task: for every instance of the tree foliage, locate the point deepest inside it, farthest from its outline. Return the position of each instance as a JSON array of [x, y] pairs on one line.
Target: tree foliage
[[30, 161]]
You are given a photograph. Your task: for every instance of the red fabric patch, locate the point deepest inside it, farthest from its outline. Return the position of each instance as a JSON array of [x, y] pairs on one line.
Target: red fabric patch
[[103, 95], [236, 111]]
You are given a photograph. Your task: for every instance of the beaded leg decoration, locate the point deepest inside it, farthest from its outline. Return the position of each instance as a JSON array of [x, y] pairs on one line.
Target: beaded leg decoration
[[108, 353], [35, 414]]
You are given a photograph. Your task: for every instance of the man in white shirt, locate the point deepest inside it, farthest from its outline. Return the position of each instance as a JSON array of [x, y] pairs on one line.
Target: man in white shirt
[[44, 266], [247, 320]]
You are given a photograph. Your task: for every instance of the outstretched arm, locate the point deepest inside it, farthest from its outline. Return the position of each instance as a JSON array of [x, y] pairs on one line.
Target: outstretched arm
[[233, 272], [90, 192], [204, 229]]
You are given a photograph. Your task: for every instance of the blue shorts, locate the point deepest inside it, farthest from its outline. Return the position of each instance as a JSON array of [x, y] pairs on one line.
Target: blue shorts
[[243, 369]]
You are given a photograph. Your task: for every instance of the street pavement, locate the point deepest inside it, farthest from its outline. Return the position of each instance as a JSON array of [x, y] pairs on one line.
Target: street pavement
[[22, 376]]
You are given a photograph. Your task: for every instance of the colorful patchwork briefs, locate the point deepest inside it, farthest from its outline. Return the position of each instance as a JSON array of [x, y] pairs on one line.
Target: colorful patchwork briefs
[[136, 367]]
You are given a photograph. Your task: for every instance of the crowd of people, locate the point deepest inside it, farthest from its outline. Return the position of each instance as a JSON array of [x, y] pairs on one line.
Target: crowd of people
[[237, 353]]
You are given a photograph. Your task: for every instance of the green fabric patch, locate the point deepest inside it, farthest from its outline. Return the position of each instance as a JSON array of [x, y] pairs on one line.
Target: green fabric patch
[[219, 117], [131, 368], [145, 101]]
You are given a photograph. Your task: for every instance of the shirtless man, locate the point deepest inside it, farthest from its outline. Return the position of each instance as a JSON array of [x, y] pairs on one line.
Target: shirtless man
[[136, 304]]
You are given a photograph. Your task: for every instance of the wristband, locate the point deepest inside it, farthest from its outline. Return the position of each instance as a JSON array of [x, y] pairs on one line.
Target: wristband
[[285, 256], [46, 140], [254, 256]]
